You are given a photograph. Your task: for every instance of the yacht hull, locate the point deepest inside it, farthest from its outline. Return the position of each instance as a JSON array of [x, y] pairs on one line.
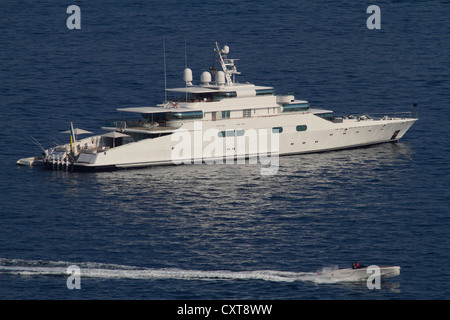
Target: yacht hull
[[202, 142]]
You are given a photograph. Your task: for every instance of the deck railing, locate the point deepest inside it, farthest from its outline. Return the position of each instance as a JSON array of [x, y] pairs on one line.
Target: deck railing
[[381, 116]]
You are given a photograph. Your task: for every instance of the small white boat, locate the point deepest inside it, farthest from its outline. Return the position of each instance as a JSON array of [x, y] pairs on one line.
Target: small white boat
[[31, 162], [362, 273]]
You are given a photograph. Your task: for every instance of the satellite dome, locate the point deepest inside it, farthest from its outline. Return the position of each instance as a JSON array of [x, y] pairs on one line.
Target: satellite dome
[[187, 76], [220, 78], [205, 77]]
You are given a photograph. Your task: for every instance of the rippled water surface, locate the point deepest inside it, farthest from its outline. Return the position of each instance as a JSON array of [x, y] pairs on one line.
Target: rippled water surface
[[225, 231]]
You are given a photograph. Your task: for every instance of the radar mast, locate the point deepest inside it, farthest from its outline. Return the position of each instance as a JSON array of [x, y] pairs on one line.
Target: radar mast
[[225, 63]]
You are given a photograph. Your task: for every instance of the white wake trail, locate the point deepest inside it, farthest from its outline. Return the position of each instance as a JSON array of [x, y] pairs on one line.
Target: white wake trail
[[112, 271]]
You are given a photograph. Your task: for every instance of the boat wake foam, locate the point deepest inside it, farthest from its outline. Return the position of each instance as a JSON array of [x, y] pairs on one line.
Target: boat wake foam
[[113, 271]]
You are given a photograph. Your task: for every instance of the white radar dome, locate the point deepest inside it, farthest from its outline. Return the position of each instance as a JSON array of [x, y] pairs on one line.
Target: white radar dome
[[205, 77], [220, 78], [187, 76], [226, 49]]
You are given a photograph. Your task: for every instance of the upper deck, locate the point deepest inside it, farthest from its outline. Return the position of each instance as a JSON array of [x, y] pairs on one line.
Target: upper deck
[[211, 100]]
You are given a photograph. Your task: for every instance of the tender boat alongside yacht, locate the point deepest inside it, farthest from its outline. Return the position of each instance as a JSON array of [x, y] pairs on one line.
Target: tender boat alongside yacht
[[217, 120]]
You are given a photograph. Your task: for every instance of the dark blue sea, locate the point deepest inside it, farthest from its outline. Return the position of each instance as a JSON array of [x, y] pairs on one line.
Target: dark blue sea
[[225, 232]]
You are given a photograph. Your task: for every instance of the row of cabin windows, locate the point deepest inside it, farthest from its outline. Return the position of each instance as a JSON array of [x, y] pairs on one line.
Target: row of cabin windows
[[327, 116], [240, 132], [190, 115], [231, 133], [298, 128], [233, 94], [217, 96], [295, 107], [246, 113]]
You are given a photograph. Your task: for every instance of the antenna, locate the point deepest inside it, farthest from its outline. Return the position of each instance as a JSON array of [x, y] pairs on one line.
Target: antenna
[[165, 75], [185, 53], [185, 65], [225, 63], [37, 143]]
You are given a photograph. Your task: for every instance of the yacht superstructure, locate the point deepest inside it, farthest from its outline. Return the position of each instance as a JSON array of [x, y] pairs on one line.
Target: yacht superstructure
[[218, 120]]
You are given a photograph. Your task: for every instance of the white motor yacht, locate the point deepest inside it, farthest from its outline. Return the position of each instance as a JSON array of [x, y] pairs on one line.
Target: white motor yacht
[[219, 120]]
